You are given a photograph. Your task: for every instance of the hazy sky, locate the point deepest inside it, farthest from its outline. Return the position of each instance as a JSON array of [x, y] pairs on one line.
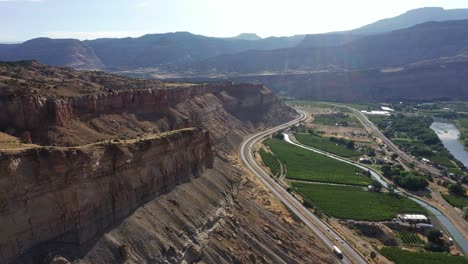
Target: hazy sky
[[89, 19]]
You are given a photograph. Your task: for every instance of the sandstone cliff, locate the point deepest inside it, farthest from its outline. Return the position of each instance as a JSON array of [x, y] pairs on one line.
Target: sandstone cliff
[[92, 117], [146, 197], [69, 195]]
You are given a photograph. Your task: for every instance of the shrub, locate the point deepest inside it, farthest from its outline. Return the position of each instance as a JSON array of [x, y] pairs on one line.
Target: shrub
[[457, 189]]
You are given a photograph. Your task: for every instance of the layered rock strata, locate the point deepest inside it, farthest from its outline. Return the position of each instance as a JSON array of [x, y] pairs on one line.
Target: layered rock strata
[[69, 195]]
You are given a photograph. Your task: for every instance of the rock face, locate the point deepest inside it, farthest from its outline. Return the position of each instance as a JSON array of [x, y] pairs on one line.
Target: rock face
[[39, 113], [166, 189], [60, 52], [69, 195]]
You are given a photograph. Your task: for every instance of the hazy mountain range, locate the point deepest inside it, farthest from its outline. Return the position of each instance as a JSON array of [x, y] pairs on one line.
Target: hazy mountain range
[[367, 46], [421, 42]]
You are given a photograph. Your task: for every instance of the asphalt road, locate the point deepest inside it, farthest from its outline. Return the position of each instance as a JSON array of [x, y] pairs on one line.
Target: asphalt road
[[323, 232], [402, 155]]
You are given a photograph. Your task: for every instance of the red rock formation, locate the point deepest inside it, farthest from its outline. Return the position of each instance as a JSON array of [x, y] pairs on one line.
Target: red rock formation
[[38, 113], [71, 194]]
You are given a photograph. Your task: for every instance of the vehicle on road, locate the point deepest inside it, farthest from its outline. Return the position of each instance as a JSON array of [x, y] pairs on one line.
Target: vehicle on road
[[338, 252]]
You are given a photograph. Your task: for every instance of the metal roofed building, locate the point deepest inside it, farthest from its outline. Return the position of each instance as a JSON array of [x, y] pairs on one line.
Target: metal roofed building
[[413, 218]]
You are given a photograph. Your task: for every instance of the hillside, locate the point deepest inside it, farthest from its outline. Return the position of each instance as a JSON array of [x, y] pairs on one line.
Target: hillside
[[153, 50], [55, 52], [421, 42], [136, 171], [406, 20], [247, 36], [438, 79], [246, 53], [327, 40], [411, 18]]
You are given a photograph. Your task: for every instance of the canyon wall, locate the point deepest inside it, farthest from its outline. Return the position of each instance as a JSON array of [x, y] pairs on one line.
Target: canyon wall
[[123, 171], [36, 113], [69, 195]]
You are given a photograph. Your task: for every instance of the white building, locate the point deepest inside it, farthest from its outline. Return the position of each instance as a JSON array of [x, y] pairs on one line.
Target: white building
[[388, 109], [413, 218], [384, 113]]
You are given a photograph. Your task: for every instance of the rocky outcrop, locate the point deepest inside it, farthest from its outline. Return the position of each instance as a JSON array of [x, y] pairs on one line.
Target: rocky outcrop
[[142, 198], [38, 113], [69, 195]]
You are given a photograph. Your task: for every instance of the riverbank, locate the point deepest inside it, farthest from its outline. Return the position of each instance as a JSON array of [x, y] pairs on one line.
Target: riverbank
[[449, 134]]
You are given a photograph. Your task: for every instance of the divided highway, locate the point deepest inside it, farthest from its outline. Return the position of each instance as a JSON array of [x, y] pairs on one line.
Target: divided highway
[[328, 236], [402, 155]]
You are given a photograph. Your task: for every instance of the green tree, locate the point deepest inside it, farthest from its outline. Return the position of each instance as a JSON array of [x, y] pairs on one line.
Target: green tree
[[414, 183], [457, 189], [386, 171], [377, 185], [278, 135], [394, 156], [434, 236], [464, 179]]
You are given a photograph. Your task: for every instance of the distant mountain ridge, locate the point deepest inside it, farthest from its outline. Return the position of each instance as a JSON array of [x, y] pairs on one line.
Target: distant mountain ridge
[[408, 19], [58, 52], [152, 50], [247, 36], [421, 42], [411, 18], [247, 52]]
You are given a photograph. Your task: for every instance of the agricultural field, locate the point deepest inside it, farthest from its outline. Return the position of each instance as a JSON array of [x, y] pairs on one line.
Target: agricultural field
[[410, 239], [341, 119], [456, 201], [364, 106], [310, 166], [270, 161], [351, 202], [400, 256], [414, 135], [326, 145], [318, 104]]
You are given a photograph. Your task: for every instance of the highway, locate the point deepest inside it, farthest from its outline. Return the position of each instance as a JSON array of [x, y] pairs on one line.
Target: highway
[[323, 232], [402, 155]]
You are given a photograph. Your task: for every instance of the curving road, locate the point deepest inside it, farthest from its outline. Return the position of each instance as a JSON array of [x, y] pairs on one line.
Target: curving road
[[327, 235]]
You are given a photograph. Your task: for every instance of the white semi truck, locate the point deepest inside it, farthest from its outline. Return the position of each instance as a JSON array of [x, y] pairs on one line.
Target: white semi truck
[[337, 252]]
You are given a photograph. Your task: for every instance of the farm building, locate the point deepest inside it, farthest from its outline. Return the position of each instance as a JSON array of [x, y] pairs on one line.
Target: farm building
[[413, 218]]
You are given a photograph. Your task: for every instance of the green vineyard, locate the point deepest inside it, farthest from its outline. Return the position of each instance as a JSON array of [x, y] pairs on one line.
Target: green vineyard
[[409, 238], [270, 161]]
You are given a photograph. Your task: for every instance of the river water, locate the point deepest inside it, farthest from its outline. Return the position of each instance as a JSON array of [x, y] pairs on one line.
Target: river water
[[449, 134]]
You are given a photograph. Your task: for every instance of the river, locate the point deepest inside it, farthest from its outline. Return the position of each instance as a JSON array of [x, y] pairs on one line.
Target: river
[[449, 134]]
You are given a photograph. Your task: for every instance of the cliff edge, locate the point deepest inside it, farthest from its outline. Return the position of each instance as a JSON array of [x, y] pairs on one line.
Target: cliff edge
[[107, 169]]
